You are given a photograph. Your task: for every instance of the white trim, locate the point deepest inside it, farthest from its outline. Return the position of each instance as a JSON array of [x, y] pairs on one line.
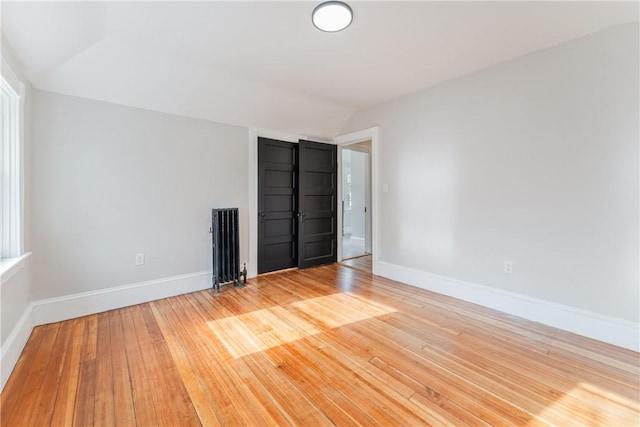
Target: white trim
[[82, 304], [11, 193], [12, 78], [619, 332], [72, 306], [14, 344], [254, 133], [17, 83], [352, 138], [339, 226], [252, 268], [280, 136], [10, 266]]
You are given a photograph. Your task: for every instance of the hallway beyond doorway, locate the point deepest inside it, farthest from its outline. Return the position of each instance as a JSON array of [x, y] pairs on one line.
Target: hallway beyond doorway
[[362, 263], [352, 247]]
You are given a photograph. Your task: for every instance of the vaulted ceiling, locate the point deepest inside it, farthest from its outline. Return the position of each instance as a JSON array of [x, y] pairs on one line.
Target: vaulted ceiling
[[264, 64]]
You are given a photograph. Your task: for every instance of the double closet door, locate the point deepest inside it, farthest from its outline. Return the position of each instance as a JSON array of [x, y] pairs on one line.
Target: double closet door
[[297, 204]]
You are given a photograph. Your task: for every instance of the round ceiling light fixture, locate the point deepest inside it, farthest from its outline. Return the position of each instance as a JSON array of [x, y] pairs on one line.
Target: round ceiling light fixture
[[332, 16]]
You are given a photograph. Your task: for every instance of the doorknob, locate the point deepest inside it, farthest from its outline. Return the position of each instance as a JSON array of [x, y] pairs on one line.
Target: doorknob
[[301, 215], [261, 213]]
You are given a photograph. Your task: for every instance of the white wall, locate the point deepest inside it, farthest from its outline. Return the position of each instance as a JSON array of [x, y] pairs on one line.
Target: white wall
[[346, 168], [358, 189], [14, 295], [356, 164], [15, 316], [534, 161], [111, 181]]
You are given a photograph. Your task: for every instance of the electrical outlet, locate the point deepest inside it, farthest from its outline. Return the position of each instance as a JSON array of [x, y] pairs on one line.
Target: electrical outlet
[[508, 267], [140, 258], [385, 188]]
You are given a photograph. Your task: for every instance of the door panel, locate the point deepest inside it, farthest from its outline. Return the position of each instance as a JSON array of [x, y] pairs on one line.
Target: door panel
[[318, 225], [274, 203], [277, 205], [280, 227], [317, 234]]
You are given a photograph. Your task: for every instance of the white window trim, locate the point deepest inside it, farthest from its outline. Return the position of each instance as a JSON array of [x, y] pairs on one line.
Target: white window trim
[[10, 266], [12, 156]]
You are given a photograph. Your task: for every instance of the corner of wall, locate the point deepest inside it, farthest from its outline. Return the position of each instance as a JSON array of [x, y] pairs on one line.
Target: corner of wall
[[14, 344]]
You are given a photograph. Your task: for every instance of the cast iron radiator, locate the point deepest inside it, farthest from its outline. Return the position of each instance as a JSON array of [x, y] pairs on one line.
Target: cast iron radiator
[[226, 248]]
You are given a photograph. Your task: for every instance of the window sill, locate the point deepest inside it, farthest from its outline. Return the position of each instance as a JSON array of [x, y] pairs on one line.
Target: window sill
[[10, 266]]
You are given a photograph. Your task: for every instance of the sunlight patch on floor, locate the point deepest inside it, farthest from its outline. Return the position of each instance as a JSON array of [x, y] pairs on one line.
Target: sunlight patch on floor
[[585, 392], [261, 330], [341, 309]]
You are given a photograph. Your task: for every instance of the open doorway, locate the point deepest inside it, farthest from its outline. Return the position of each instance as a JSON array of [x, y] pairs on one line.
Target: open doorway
[[356, 200], [363, 141], [342, 141]]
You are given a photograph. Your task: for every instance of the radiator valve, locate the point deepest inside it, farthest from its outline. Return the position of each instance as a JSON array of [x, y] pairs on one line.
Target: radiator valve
[[243, 273]]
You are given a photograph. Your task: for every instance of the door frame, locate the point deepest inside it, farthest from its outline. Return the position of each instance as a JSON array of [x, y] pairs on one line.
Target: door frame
[[342, 141], [252, 174], [368, 225]]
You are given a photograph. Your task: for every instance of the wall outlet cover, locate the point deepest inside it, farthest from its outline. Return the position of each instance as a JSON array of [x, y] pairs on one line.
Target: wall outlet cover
[[140, 259], [508, 267]]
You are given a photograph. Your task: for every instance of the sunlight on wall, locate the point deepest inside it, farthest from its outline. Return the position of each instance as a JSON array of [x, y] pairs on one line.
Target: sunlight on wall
[[261, 330]]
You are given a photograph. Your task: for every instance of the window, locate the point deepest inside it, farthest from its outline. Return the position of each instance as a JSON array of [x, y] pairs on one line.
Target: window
[[11, 93]]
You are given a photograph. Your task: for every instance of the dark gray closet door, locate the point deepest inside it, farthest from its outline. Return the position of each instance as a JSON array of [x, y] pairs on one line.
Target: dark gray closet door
[[277, 205], [317, 212]]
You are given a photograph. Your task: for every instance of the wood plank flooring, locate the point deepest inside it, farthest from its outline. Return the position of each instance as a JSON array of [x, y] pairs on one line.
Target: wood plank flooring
[[326, 346], [364, 263]]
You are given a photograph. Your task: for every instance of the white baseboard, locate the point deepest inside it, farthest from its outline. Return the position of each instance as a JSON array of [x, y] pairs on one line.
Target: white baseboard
[[71, 306], [619, 332], [51, 310], [14, 344], [77, 305]]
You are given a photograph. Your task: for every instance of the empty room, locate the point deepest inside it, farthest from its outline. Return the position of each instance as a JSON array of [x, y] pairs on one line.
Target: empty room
[[318, 213]]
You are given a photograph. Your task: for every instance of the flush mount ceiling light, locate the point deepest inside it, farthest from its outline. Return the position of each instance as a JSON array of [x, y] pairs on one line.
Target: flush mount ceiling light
[[332, 16]]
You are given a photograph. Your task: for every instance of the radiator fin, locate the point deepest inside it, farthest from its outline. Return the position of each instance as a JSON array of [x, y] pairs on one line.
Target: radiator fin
[[226, 247]]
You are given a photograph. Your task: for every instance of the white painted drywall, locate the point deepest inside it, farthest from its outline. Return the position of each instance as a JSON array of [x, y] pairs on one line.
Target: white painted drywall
[[346, 176], [264, 63], [14, 297], [358, 191], [368, 225], [533, 161], [112, 181]]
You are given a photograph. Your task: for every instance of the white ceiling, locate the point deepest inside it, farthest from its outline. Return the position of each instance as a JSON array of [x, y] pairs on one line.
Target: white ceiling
[[264, 64]]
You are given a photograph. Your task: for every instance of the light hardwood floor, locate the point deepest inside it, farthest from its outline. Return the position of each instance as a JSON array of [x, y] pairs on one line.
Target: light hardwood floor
[[330, 345], [364, 263]]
